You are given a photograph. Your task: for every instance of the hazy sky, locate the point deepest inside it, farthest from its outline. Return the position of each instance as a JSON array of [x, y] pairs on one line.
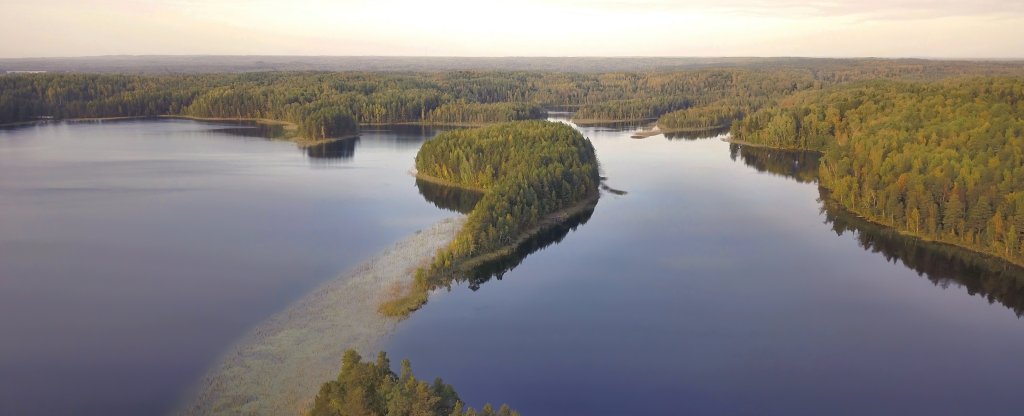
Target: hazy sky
[[888, 28]]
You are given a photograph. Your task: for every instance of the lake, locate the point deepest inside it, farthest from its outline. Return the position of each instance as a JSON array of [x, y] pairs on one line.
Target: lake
[[709, 279], [134, 253], [718, 285]]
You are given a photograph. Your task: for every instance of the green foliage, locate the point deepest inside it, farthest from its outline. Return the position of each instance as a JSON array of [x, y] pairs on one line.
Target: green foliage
[[717, 115], [327, 123], [943, 161], [648, 96], [981, 275], [368, 389], [528, 170], [478, 113], [444, 97], [633, 109]]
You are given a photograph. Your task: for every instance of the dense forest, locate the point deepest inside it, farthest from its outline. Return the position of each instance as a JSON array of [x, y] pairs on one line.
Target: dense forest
[[335, 104], [463, 112], [527, 171], [941, 160], [373, 389], [708, 117]]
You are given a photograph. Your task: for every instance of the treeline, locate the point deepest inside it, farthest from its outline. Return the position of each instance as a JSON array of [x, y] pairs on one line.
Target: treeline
[[713, 116], [980, 275], [444, 97], [480, 113], [27, 97], [799, 165], [943, 160], [327, 123], [373, 389], [789, 128], [627, 110], [527, 171], [648, 96]]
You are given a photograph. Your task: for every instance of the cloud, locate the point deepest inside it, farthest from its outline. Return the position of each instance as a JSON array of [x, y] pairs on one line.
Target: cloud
[[937, 28], [869, 9]]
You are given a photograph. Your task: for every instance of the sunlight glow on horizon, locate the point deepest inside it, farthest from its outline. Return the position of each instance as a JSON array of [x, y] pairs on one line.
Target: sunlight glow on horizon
[[905, 28]]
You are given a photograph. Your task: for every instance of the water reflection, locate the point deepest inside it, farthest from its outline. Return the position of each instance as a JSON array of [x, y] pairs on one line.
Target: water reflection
[[447, 197], [341, 149], [985, 276], [800, 165], [697, 134], [549, 236], [615, 126], [251, 129], [463, 200], [403, 135], [942, 264]]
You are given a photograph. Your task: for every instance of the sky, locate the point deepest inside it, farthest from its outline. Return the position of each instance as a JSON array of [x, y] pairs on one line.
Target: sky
[[836, 28]]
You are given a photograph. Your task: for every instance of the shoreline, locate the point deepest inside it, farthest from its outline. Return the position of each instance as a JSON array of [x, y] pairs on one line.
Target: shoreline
[[401, 306], [643, 134], [466, 265], [730, 139], [165, 116], [919, 237], [288, 126], [855, 213], [435, 180], [443, 124], [547, 222], [600, 121], [279, 365]]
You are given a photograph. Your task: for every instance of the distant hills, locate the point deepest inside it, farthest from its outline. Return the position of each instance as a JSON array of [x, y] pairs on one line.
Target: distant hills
[[168, 64]]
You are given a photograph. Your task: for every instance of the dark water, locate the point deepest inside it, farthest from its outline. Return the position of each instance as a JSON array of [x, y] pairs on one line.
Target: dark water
[[133, 253], [723, 283], [709, 279]]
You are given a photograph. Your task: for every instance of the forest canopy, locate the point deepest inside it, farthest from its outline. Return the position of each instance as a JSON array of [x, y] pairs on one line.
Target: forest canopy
[[526, 170], [942, 160], [373, 389], [335, 104]]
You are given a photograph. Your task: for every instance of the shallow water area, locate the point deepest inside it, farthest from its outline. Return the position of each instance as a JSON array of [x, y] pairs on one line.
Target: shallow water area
[[134, 253]]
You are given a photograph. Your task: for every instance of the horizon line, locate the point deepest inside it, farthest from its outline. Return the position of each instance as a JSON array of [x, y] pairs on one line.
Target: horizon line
[[127, 55]]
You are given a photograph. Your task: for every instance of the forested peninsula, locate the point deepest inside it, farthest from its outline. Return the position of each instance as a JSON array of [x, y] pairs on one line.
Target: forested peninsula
[[941, 161], [532, 175]]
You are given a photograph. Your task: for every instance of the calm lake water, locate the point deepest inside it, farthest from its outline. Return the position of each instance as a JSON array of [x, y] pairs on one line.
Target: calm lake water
[[718, 285], [133, 253]]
